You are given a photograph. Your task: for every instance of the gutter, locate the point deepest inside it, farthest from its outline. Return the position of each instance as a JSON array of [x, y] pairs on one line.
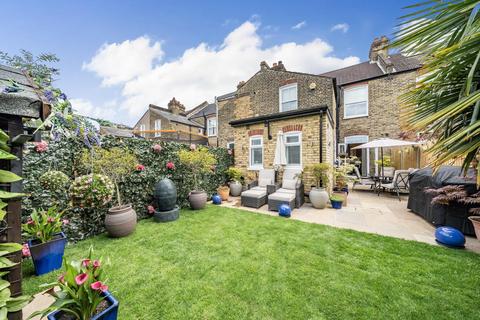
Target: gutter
[[280, 116], [336, 92]]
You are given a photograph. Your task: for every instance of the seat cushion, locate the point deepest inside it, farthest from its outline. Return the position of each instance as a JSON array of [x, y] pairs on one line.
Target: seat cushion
[[283, 190], [281, 196], [259, 189], [254, 193], [289, 184]]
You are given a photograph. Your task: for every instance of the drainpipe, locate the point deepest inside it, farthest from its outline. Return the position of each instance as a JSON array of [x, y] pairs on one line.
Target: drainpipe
[[336, 90], [218, 122], [321, 137]]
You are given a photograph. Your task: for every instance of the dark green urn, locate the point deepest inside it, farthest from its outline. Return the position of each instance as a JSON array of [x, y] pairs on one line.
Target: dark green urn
[[165, 195]]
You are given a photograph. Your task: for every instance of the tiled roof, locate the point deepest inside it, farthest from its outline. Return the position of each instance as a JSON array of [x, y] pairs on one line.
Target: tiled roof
[[226, 96], [210, 109], [366, 70], [173, 117]]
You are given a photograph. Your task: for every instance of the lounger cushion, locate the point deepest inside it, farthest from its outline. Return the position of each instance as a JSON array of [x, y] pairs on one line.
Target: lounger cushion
[[282, 196], [254, 193], [259, 189], [290, 184], [283, 190], [264, 182]]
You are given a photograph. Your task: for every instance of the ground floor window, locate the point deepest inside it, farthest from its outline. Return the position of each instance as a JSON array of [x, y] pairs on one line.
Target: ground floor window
[[293, 149], [158, 127], [256, 152], [142, 130], [363, 155]]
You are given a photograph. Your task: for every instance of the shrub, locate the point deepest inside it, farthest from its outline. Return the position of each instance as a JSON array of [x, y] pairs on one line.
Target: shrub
[[320, 172], [55, 181], [91, 190], [234, 174], [199, 161], [387, 161]]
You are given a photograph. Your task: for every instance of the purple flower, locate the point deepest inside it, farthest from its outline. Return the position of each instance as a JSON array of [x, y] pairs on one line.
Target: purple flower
[[63, 96]]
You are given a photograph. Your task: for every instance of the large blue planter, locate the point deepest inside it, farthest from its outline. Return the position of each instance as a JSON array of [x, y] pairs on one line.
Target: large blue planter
[[111, 313], [450, 237], [48, 256], [336, 204]]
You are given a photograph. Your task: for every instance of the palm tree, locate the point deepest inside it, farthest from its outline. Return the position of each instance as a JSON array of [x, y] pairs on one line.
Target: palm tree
[[444, 104]]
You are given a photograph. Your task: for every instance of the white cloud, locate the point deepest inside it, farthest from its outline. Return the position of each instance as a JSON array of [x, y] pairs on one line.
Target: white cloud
[[117, 63], [86, 108], [205, 71], [340, 27], [300, 25]]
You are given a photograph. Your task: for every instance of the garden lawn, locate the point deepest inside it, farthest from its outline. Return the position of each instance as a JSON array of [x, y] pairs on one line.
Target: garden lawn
[[221, 263]]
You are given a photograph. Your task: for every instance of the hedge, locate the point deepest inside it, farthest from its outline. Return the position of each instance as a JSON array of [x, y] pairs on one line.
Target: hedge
[[137, 188]]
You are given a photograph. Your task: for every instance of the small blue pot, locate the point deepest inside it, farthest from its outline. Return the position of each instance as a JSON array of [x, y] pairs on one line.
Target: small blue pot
[[111, 313], [284, 211], [47, 256], [216, 199], [336, 204], [450, 237]]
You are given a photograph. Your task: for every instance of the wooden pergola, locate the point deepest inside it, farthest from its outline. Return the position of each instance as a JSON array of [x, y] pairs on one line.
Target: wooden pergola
[[20, 100]]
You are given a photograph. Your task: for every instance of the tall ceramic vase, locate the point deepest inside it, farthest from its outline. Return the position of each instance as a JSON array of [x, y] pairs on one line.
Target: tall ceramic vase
[[319, 198]]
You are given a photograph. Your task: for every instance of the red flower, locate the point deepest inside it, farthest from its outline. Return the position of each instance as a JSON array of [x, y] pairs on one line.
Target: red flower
[[30, 221], [98, 285], [150, 209], [96, 263], [61, 278], [25, 250], [41, 146], [140, 167], [81, 278], [50, 220], [170, 165], [65, 221], [86, 262], [157, 148]]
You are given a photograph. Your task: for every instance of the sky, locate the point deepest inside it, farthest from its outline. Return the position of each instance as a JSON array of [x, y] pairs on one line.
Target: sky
[[116, 57]]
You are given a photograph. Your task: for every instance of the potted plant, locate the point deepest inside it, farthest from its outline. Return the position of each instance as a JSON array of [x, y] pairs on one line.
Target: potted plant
[[336, 201], [121, 220], [388, 168], [342, 179], [223, 192], [318, 195], [81, 293], [199, 162], [235, 177], [46, 241]]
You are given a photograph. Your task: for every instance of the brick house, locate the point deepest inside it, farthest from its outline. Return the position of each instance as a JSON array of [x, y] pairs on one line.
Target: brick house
[[368, 100], [173, 123], [205, 114], [272, 100]]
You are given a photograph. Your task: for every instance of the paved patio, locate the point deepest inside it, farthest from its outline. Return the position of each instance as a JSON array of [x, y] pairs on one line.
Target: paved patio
[[367, 212]]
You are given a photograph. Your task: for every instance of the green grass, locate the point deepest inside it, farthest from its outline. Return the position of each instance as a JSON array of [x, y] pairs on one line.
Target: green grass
[[223, 263]]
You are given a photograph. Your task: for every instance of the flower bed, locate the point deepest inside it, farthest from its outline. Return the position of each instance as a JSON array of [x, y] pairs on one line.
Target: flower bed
[[158, 160]]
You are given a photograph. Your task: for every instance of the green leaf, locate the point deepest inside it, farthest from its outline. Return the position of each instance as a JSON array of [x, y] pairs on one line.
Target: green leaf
[[4, 155], [6, 263], [18, 303], [10, 195], [8, 177], [10, 246]]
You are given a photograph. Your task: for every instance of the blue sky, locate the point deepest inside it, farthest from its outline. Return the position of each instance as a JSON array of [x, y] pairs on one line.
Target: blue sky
[[154, 48]]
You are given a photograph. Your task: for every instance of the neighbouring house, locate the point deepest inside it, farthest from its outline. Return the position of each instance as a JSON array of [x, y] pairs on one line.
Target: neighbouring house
[[300, 105], [368, 101], [205, 114], [169, 124]]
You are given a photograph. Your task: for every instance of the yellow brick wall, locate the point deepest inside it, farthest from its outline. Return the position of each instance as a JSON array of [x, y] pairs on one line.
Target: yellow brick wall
[[310, 143]]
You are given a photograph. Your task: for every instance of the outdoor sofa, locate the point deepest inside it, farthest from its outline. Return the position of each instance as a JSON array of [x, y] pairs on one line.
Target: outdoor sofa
[[256, 195], [290, 192]]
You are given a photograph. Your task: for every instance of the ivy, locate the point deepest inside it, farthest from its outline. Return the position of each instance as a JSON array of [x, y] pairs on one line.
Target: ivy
[[137, 187]]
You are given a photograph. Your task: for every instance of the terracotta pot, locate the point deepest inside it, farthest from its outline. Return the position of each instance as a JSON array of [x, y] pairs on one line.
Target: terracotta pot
[[476, 225], [318, 197], [197, 199], [235, 188], [223, 192], [120, 221]]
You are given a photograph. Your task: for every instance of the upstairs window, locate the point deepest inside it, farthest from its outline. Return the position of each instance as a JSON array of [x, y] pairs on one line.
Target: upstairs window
[[288, 97], [256, 152], [212, 127], [142, 130], [293, 149], [158, 127], [355, 102]]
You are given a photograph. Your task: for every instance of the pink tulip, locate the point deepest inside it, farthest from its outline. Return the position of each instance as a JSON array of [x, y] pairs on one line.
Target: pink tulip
[[50, 220], [81, 278], [157, 148], [86, 262], [61, 278], [30, 221], [98, 285], [96, 263]]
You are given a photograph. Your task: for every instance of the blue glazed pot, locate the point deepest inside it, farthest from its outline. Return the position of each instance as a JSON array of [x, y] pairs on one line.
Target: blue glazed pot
[[284, 211], [450, 237], [336, 204], [216, 199], [111, 313], [48, 256]]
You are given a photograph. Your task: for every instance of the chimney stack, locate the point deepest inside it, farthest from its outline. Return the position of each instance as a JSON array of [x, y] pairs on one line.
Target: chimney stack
[[175, 107], [264, 66], [278, 66], [379, 47]]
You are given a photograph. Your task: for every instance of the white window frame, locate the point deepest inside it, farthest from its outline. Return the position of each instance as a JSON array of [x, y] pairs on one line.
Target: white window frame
[[142, 128], [289, 134], [200, 130], [359, 139], [288, 86], [256, 166], [352, 88], [342, 148], [158, 126], [209, 126]]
